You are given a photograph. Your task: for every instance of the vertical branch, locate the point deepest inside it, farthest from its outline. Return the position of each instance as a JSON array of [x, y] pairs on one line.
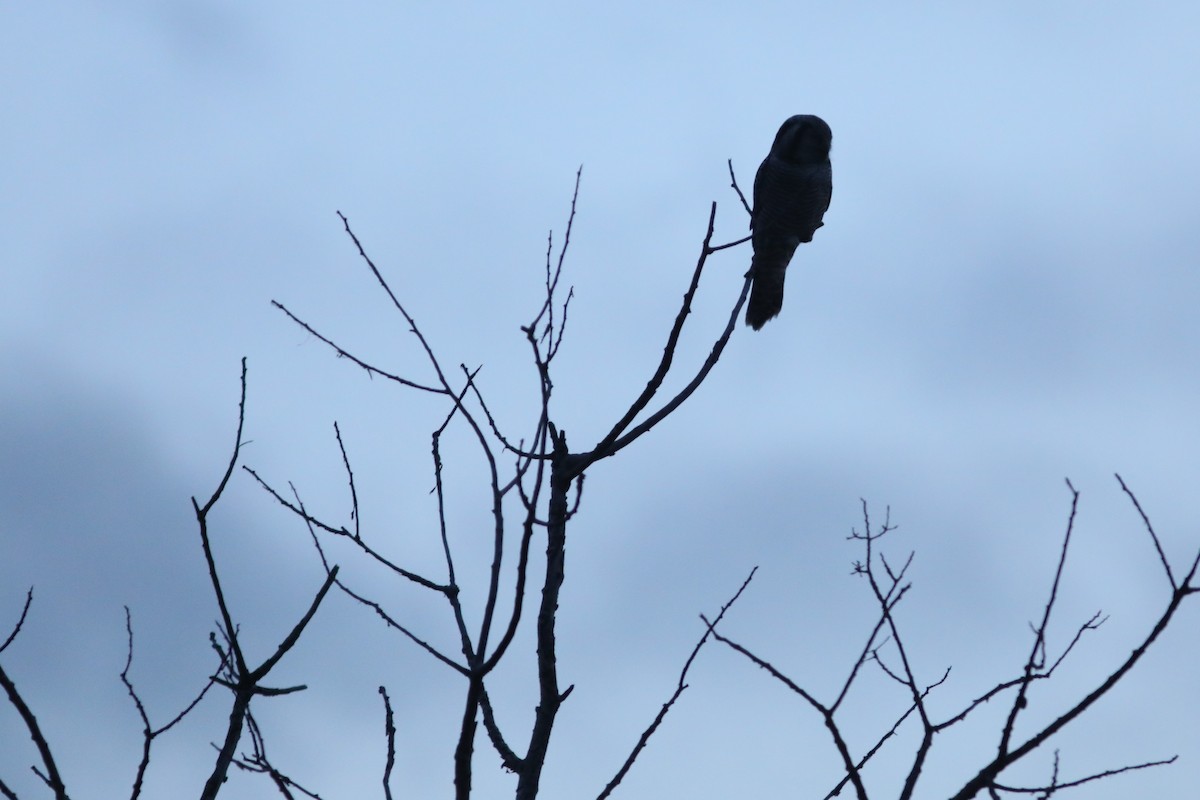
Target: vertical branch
[[549, 697], [1037, 652], [238, 677], [553, 274], [147, 732], [465, 749], [389, 729], [551, 469], [239, 660]]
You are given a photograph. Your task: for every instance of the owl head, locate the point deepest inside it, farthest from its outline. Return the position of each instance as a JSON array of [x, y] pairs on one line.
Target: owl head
[[803, 139]]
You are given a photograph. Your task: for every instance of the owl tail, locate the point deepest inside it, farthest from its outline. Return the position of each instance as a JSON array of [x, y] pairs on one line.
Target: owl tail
[[766, 295]]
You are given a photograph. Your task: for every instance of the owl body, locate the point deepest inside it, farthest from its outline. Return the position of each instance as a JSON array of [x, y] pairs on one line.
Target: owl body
[[791, 194]]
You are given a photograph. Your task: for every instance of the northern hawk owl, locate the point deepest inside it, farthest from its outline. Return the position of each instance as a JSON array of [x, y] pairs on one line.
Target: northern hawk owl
[[791, 193]]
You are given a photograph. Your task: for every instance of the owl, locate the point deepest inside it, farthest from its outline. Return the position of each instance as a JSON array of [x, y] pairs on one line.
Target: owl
[[791, 193]]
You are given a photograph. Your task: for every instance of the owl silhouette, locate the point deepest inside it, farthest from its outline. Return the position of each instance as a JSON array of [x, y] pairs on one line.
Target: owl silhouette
[[791, 194]]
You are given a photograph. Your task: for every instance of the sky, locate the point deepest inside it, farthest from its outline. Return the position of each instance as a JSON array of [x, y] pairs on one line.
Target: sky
[[1002, 298]]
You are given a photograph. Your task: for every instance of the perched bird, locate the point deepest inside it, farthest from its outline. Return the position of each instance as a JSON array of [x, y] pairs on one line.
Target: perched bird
[[791, 193]]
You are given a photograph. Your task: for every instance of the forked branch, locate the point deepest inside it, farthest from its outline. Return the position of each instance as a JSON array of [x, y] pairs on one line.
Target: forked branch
[[887, 586], [245, 682]]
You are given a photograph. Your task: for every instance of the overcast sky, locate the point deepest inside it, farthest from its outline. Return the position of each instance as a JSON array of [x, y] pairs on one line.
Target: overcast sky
[[1003, 296]]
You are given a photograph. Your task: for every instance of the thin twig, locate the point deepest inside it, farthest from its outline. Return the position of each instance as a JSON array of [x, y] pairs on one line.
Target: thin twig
[[147, 732], [621, 436], [1036, 652], [244, 682], [337, 432], [862, 762], [738, 189], [1108, 773], [985, 778], [553, 275], [1162, 556], [680, 686], [259, 763], [346, 354], [839, 742], [20, 620], [343, 531]]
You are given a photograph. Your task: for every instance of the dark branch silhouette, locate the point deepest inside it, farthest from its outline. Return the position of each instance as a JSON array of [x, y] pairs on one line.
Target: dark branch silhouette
[[887, 585], [534, 486], [236, 674], [680, 687], [544, 474]]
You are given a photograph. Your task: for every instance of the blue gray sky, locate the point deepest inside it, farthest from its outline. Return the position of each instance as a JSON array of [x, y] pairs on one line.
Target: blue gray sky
[[1002, 297]]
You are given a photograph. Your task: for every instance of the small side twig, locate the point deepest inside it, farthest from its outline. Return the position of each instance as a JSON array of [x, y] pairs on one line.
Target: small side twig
[[258, 762], [738, 189], [1162, 556]]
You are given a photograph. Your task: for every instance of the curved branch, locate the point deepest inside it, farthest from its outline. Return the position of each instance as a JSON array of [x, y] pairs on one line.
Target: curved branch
[[52, 777], [620, 436]]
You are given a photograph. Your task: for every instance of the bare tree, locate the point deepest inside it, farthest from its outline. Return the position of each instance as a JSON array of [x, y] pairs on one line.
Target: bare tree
[[546, 476], [885, 649], [535, 486], [233, 671]]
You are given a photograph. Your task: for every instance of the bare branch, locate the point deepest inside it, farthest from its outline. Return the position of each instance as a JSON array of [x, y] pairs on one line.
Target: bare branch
[[412, 324], [1037, 651], [1162, 556], [150, 733], [346, 354], [826, 713], [237, 446], [869, 648], [51, 777], [202, 520], [20, 620], [259, 763], [985, 779], [1108, 773], [350, 479], [468, 647], [508, 757], [487, 413], [619, 438], [245, 684], [862, 762], [607, 445], [552, 278], [389, 730], [550, 698], [680, 686], [392, 623], [359, 541], [738, 189], [884, 598], [147, 733], [293, 636], [243, 681]]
